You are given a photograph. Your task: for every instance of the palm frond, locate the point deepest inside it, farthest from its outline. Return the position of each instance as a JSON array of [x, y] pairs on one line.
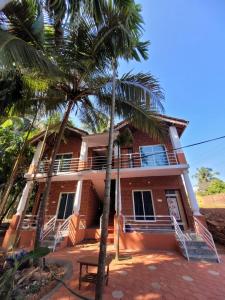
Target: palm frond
[[14, 52], [141, 88], [25, 20]]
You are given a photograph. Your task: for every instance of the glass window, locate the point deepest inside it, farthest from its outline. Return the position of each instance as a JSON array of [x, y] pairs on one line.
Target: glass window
[[154, 155], [62, 162], [143, 206], [66, 205]]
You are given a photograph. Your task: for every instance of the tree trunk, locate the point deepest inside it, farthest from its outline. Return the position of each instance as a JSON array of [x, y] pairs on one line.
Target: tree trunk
[[9, 207], [14, 171], [106, 205], [34, 178], [41, 214], [118, 207]]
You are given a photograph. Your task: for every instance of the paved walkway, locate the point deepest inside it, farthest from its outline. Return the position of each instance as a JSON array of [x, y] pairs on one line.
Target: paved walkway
[[150, 275]]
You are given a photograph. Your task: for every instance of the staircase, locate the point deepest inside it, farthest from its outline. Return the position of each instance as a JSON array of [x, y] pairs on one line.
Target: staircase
[[197, 249], [52, 236], [198, 245]]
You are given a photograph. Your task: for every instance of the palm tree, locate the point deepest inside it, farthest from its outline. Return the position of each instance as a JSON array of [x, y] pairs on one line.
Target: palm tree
[[125, 138], [76, 60]]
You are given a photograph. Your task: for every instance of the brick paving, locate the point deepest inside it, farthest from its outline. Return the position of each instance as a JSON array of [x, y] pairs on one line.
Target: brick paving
[[149, 275]]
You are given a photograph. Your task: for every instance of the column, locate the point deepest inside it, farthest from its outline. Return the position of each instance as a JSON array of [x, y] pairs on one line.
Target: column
[[118, 194], [84, 151], [24, 197], [191, 194], [36, 157], [82, 159], [77, 200], [175, 140], [29, 184]]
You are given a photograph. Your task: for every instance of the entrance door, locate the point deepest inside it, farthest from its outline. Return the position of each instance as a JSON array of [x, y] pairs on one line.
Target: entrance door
[[65, 205], [143, 205], [172, 201]]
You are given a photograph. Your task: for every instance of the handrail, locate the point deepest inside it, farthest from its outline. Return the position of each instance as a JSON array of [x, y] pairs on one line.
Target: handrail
[[204, 233], [48, 227], [129, 160], [180, 236], [147, 223], [62, 231]]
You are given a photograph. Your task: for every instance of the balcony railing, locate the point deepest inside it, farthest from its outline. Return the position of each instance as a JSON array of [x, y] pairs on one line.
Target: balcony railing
[[147, 223], [131, 160]]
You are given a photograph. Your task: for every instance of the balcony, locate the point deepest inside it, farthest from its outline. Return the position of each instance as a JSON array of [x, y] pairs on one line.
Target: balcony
[[127, 161]]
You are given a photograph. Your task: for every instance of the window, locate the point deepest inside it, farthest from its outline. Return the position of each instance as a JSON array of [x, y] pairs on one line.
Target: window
[[62, 162], [66, 205], [143, 205], [154, 155]]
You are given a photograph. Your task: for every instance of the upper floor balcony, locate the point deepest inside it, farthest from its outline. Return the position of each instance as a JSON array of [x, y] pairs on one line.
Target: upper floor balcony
[[145, 160]]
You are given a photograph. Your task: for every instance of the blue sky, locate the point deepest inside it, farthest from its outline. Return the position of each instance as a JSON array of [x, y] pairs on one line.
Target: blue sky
[[187, 55]]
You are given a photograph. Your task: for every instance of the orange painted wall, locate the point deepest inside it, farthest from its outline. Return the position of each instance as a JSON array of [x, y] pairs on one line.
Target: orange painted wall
[[157, 185]]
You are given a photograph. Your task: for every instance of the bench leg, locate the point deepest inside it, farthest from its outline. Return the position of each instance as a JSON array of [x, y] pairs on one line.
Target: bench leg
[[80, 275]]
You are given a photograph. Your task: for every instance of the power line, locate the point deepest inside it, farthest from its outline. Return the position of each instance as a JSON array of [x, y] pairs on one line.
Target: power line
[[156, 153]]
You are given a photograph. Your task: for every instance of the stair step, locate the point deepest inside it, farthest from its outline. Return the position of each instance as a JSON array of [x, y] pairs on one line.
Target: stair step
[[211, 258]]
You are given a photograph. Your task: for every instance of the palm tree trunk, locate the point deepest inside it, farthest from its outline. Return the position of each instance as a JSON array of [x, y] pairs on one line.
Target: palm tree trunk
[[41, 214], [13, 174], [34, 178], [9, 206], [118, 207], [106, 205]]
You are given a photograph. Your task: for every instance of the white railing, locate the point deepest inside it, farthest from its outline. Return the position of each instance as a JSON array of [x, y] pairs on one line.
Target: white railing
[[131, 160], [147, 223], [204, 233], [180, 236], [29, 222], [48, 227], [62, 231]]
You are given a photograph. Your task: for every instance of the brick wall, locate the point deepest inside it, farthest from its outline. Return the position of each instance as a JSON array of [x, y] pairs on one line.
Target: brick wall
[[89, 199], [71, 144], [56, 189], [89, 203], [157, 185]]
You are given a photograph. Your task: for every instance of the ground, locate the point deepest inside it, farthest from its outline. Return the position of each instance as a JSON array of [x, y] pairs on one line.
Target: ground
[[149, 275]]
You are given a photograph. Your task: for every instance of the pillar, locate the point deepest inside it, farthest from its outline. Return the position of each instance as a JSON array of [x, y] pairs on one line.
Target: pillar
[[118, 194], [23, 199], [77, 200], [84, 151], [175, 140], [191, 194], [36, 158]]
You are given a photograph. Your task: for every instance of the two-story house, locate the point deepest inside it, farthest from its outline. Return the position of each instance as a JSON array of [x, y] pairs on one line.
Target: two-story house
[[157, 205]]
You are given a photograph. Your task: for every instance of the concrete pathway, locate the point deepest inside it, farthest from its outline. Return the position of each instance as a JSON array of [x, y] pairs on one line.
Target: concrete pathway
[[149, 275]]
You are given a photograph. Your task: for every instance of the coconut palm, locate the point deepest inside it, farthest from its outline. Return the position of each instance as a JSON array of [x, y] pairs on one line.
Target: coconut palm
[[72, 60]]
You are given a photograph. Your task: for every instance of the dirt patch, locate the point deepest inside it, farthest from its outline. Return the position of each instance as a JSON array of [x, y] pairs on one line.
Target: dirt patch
[[33, 283]]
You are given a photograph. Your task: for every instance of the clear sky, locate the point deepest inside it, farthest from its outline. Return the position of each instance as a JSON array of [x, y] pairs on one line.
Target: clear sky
[[187, 55]]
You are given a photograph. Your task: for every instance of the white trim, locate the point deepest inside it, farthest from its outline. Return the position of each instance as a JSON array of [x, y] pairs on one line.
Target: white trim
[[153, 206], [59, 200], [64, 153]]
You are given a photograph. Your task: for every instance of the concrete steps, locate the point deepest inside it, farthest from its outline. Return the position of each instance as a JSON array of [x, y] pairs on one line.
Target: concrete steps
[[197, 249], [49, 241]]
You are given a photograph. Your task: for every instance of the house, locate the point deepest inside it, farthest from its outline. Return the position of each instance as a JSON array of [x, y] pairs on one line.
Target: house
[[157, 205]]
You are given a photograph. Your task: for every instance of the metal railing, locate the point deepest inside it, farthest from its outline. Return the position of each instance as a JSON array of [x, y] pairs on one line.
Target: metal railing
[[147, 223], [48, 227], [131, 160], [204, 233], [62, 231], [29, 222], [180, 236]]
